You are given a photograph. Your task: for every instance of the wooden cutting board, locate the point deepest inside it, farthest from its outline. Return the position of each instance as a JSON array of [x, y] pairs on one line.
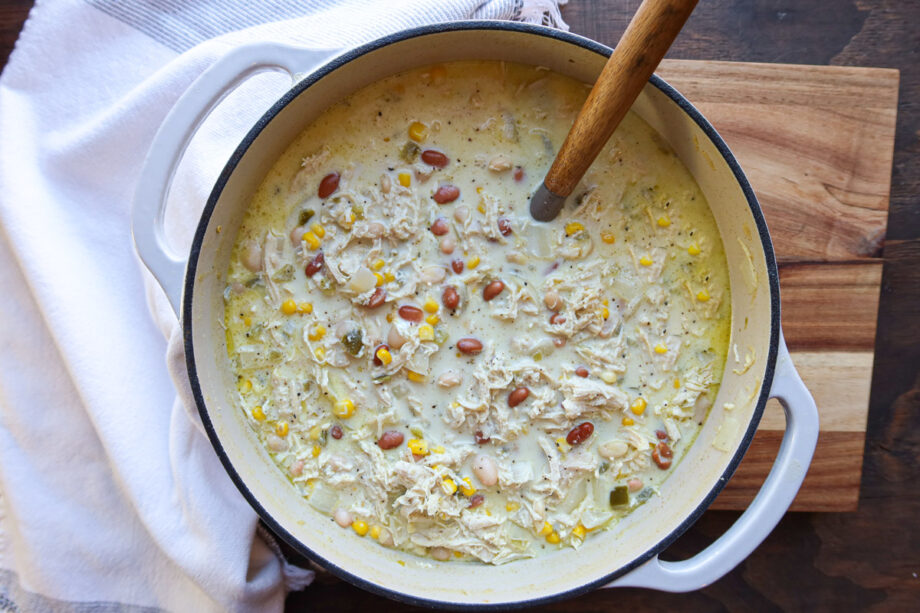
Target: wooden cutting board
[[816, 143]]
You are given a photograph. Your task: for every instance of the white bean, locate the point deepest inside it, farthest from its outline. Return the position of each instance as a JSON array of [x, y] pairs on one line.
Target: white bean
[[448, 245], [433, 274], [461, 214], [612, 449], [552, 300], [375, 229], [297, 468], [394, 339], [251, 256], [297, 235], [363, 280], [441, 554], [343, 518], [499, 164], [634, 485], [485, 469], [276, 443], [386, 539], [450, 378]]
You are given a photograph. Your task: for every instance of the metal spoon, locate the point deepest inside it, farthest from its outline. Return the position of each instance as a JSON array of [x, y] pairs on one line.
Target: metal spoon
[[647, 38]]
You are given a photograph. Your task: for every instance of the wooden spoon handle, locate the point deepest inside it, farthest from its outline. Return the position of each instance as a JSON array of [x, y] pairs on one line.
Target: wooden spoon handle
[[647, 38]]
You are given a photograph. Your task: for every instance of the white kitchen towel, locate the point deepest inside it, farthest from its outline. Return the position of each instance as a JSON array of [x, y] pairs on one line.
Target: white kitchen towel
[[110, 496]]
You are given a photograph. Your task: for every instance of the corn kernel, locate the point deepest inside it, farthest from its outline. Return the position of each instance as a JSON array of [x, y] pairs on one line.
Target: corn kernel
[[320, 353], [645, 260], [563, 444], [404, 178], [466, 487], [316, 432], [426, 332], [552, 538], [318, 230], [664, 221], [579, 531], [547, 529], [661, 348], [418, 131], [512, 506], [473, 262], [481, 207], [676, 384], [375, 532], [389, 277], [247, 321], [245, 386], [693, 249], [448, 485], [628, 421], [458, 554], [378, 264], [317, 450], [359, 526], [609, 377], [638, 406], [418, 446], [383, 354], [415, 377], [431, 306], [379, 278], [702, 296], [605, 301], [605, 313], [288, 307], [312, 240], [608, 237], [573, 227], [305, 307], [282, 428], [344, 408], [316, 332], [433, 319], [438, 449], [479, 189], [258, 414]]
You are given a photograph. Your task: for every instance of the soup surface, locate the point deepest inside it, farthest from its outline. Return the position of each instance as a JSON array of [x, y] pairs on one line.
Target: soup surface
[[433, 369]]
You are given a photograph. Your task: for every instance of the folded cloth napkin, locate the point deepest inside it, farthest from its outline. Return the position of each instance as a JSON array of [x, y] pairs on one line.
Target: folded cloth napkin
[[110, 496]]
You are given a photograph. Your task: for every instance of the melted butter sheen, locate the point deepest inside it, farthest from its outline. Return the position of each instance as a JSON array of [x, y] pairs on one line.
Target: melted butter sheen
[[615, 315]]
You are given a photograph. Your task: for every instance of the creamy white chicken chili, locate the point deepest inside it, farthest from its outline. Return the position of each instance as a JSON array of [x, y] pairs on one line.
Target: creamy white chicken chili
[[433, 369]]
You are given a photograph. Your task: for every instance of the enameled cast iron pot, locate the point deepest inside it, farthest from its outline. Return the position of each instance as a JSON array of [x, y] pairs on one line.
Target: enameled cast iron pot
[[624, 556]]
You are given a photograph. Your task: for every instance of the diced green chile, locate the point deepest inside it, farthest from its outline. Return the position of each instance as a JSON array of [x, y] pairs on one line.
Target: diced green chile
[[305, 216], [619, 496], [410, 152], [352, 341], [284, 274]]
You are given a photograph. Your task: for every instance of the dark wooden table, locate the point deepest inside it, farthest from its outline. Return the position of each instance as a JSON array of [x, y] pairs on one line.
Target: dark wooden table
[[869, 559]]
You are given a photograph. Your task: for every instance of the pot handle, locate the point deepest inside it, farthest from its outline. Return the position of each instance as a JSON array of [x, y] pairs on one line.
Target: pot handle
[[172, 139], [767, 508]]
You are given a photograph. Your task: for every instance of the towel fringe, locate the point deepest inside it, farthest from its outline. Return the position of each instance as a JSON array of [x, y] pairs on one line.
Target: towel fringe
[[295, 577], [541, 12]]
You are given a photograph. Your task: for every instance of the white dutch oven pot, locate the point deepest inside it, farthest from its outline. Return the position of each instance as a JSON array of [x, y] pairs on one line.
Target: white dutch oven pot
[[626, 555]]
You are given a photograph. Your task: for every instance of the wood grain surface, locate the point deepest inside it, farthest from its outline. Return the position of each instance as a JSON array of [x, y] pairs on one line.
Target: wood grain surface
[[867, 560]]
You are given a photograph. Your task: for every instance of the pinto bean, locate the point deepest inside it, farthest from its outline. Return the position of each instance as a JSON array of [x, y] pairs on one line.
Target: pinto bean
[[556, 319], [518, 174], [457, 266], [336, 431], [469, 345], [481, 439], [580, 433], [377, 298], [328, 185], [315, 265], [662, 435], [634, 485], [450, 297], [411, 313], [559, 341], [446, 193], [434, 158], [504, 226], [492, 290], [581, 371], [518, 396], [552, 300], [439, 227], [390, 439], [662, 455], [476, 500], [343, 517]]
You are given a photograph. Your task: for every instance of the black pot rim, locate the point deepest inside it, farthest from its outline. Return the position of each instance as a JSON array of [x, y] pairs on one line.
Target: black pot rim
[[338, 62]]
